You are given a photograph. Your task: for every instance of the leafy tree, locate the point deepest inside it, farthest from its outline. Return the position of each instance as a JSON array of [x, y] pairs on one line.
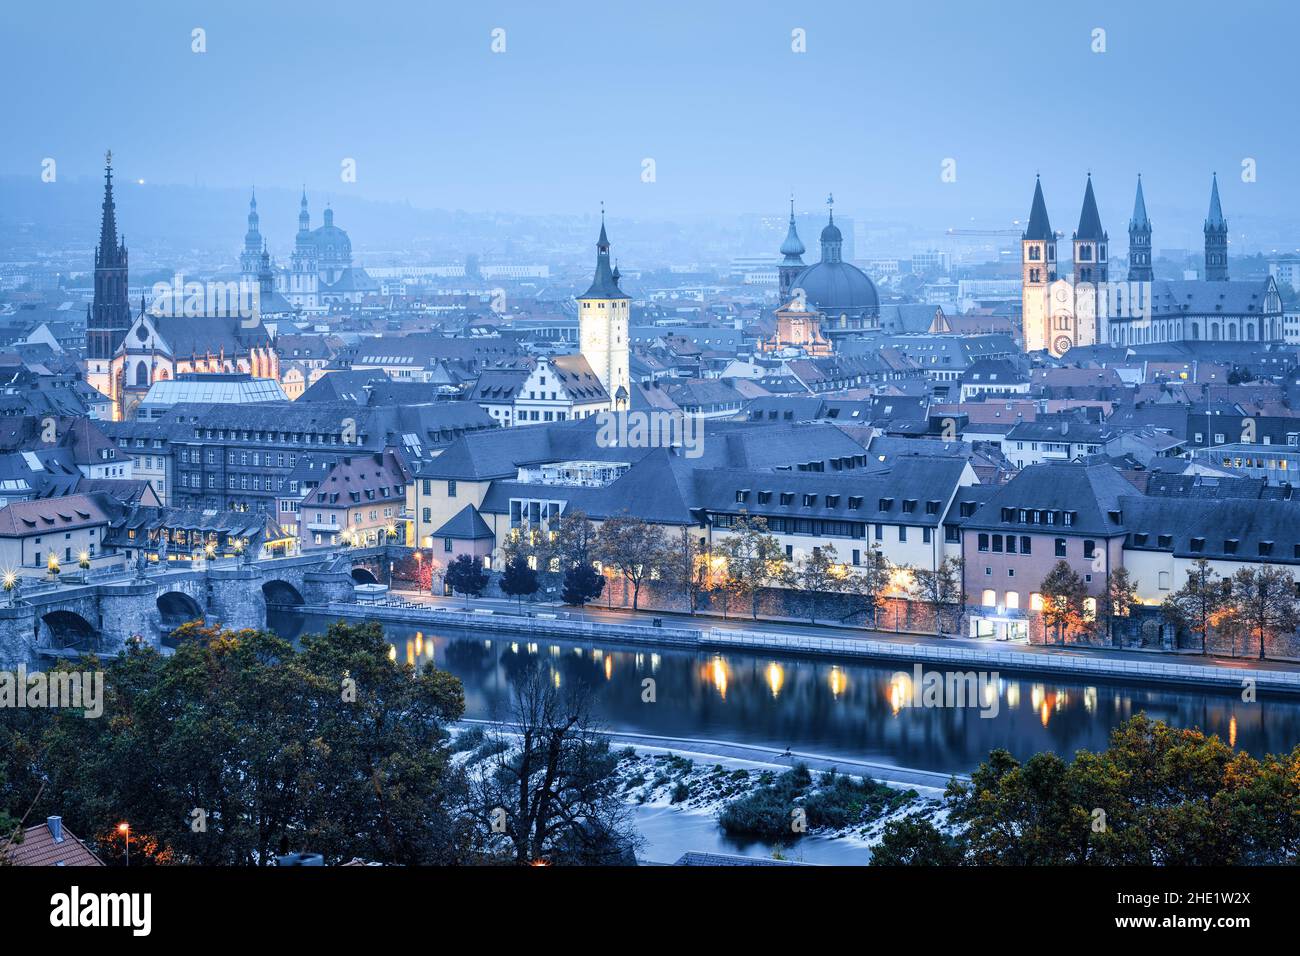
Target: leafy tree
[[1263, 604], [632, 547], [1201, 604], [549, 787], [519, 580], [1157, 796], [913, 842], [466, 576], [1119, 601], [753, 559], [939, 588], [582, 584], [237, 748], [1064, 594]]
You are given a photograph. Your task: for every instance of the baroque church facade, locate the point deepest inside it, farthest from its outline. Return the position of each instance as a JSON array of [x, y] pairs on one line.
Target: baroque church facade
[[1089, 307], [831, 296], [320, 272]]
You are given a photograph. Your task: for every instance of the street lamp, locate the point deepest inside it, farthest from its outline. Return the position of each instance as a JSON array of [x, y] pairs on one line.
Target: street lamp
[[124, 828]]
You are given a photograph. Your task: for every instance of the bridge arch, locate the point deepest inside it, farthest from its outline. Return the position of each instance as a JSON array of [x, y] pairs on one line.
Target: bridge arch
[[363, 575], [68, 630], [282, 593], [176, 608]]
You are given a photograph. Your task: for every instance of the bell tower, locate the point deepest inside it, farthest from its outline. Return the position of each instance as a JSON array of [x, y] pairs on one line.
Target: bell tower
[[1038, 262], [1216, 238], [604, 311], [1139, 240]]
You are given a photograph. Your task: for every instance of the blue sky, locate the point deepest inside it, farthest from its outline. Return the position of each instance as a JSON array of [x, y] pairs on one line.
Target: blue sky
[[710, 90]]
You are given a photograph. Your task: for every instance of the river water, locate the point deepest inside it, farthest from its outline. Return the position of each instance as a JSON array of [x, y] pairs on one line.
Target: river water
[[849, 710]]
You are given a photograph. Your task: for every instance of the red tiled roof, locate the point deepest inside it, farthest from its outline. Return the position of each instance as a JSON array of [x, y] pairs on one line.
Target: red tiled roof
[[39, 848]]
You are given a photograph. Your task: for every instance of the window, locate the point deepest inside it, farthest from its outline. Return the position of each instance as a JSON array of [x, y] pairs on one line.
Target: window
[[1089, 548], [451, 489], [1025, 544], [989, 598], [446, 545], [1060, 547], [1162, 580], [983, 542]]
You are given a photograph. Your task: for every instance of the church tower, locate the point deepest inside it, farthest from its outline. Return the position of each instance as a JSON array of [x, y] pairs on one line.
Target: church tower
[[249, 259], [1091, 272], [1038, 262], [304, 280], [1139, 240], [603, 314], [1216, 238], [792, 260], [109, 318]]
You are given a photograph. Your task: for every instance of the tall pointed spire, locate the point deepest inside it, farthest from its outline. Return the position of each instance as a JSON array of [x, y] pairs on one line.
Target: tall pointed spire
[[1216, 238], [603, 284], [1089, 218], [108, 221], [1040, 227], [110, 312], [1216, 210], [1139, 240], [1139, 219]]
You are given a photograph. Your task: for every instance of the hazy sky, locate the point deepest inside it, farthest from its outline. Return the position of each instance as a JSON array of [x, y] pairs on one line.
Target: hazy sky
[[710, 90]]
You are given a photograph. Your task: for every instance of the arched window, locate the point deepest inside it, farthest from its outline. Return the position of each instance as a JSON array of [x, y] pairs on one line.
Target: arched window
[[142, 373]]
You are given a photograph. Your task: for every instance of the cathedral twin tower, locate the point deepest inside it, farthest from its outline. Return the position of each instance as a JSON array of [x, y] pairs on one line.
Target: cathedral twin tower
[[1061, 313]]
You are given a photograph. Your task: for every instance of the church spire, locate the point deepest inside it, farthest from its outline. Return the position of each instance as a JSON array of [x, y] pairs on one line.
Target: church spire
[[1216, 237], [603, 284], [108, 221], [1040, 227], [1139, 240]]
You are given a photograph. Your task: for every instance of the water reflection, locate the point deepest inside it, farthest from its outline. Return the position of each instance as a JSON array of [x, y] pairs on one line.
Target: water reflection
[[817, 706]]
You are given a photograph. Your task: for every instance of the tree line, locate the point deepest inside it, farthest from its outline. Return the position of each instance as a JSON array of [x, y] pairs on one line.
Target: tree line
[[1253, 607], [240, 747], [573, 554]]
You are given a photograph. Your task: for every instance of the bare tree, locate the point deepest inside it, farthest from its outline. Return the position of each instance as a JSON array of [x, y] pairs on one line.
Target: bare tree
[[549, 790], [632, 547]]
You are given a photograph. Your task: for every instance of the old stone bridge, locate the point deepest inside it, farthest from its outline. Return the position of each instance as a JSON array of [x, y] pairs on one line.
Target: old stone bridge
[[102, 614]]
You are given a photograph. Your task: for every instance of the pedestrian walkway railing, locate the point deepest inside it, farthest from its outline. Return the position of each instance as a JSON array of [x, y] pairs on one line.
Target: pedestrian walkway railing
[[1056, 661]]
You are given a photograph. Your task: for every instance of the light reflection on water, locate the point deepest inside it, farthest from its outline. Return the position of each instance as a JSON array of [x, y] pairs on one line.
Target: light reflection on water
[[836, 709]]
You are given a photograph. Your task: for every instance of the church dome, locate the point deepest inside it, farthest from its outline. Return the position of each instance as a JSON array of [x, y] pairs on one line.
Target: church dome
[[832, 233], [838, 288]]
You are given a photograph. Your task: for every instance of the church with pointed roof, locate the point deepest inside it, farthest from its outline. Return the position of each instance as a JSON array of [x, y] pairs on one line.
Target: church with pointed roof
[[1089, 307]]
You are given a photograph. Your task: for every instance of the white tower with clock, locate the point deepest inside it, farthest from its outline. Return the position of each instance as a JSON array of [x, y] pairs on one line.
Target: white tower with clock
[[604, 311]]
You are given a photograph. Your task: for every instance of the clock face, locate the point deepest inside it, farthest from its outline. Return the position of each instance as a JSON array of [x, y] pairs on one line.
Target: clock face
[[1062, 294], [1062, 344]]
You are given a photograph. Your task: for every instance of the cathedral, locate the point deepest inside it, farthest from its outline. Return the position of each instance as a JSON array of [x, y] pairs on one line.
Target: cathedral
[[126, 353], [1088, 307], [320, 272], [109, 317]]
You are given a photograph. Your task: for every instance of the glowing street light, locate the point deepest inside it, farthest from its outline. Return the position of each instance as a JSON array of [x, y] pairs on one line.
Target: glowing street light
[[124, 828]]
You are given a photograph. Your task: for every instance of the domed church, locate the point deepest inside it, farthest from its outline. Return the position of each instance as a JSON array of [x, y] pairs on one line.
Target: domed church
[[839, 290]]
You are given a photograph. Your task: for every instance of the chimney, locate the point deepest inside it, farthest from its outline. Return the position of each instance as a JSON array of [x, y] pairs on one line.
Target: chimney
[[1065, 428], [56, 828]]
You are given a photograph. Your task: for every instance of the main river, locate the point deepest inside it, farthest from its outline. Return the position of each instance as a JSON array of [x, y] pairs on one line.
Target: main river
[[814, 706]]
